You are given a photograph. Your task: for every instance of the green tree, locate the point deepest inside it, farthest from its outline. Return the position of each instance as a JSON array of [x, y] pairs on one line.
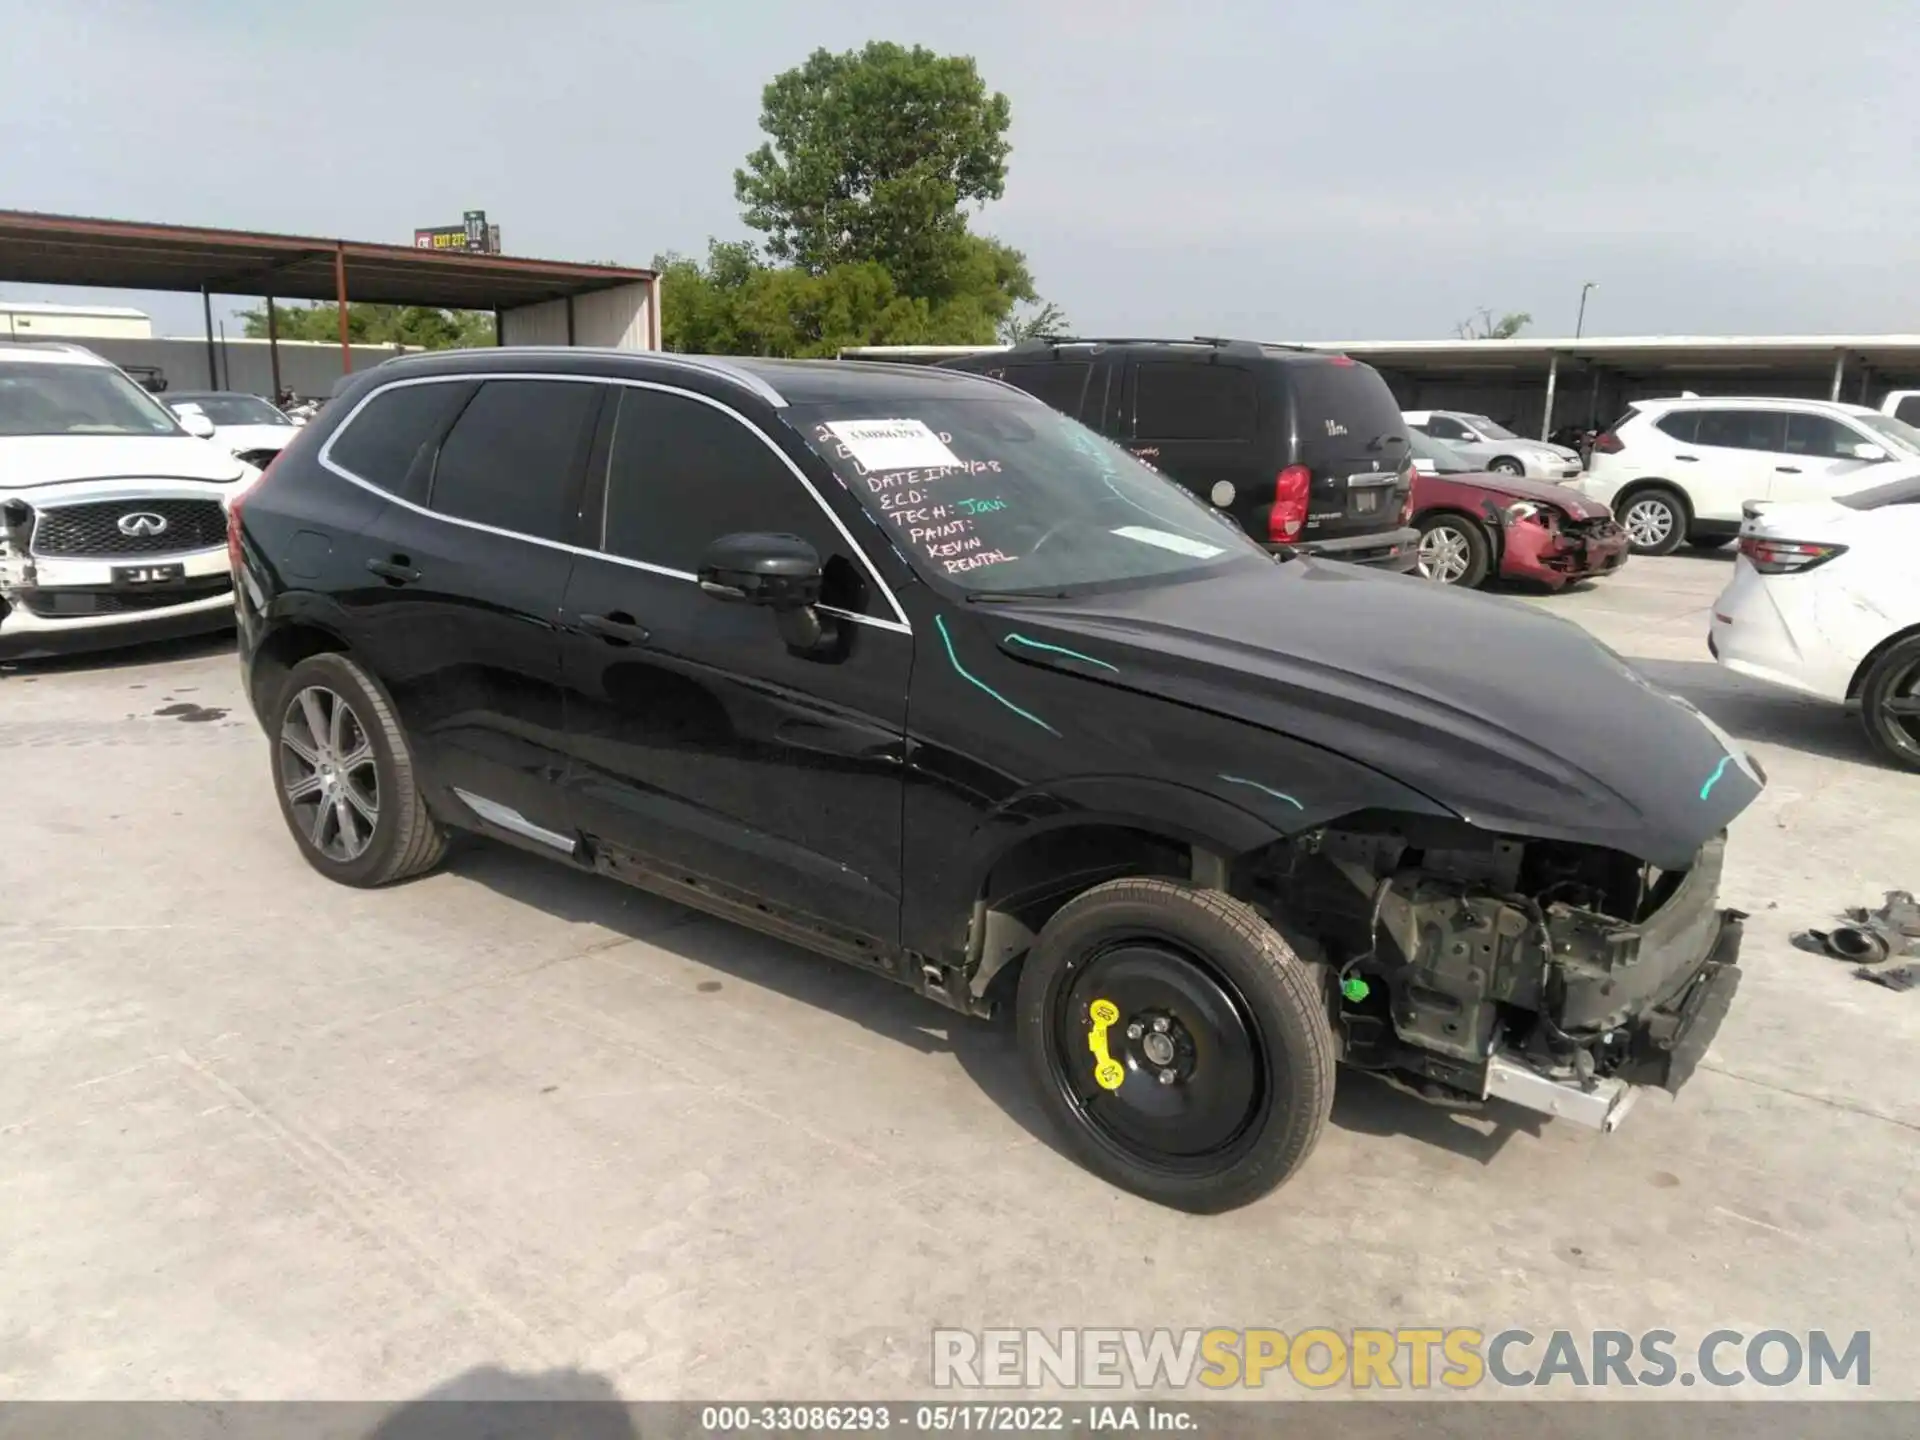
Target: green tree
[[872, 156], [1041, 321], [1482, 326], [862, 190], [418, 325]]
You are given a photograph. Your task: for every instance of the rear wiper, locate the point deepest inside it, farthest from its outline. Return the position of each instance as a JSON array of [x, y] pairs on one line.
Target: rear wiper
[[1376, 441], [1007, 597]]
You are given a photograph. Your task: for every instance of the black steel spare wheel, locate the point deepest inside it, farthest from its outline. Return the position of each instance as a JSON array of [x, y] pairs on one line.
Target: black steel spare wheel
[[1182, 1048]]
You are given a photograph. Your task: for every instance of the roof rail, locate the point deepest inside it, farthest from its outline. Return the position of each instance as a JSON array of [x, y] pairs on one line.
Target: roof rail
[[1260, 344], [64, 346], [1222, 344]]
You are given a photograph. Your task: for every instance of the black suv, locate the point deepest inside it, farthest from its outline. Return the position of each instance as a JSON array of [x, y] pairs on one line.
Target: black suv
[[904, 666], [1306, 450]]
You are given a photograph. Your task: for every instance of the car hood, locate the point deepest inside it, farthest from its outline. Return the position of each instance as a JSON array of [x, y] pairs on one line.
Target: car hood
[[1518, 487], [1514, 719], [30, 460], [254, 437]]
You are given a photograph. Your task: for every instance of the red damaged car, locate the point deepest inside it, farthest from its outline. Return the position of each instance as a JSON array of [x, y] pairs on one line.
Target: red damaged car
[[1473, 524]]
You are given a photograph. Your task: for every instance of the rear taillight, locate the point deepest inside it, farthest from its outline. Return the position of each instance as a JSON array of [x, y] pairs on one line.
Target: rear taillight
[[1607, 443], [1786, 557], [1289, 515], [233, 500], [1406, 505]]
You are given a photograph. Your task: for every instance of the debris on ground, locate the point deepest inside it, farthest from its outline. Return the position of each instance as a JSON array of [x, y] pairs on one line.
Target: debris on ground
[[1871, 938]]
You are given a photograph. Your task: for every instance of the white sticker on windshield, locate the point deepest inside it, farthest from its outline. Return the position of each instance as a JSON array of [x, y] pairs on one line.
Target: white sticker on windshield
[[1166, 540], [892, 444]]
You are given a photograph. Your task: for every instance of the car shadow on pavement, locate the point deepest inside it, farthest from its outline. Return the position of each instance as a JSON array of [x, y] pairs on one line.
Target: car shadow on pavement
[[1368, 1105], [1751, 710], [987, 1050], [122, 657], [490, 1401]]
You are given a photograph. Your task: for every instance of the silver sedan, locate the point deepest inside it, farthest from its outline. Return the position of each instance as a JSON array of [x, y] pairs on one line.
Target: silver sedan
[[1491, 446]]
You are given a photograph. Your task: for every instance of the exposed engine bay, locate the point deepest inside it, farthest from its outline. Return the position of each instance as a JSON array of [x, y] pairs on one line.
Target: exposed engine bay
[[1467, 964]]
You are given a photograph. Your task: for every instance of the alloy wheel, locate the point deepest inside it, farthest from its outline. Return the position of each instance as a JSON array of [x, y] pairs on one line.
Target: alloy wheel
[[1178, 1080], [1648, 522], [1444, 555], [328, 772], [1507, 467], [1901, 707]]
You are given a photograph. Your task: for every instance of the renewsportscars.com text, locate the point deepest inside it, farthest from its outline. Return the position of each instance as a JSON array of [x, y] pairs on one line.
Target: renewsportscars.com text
[[1409, 1358]]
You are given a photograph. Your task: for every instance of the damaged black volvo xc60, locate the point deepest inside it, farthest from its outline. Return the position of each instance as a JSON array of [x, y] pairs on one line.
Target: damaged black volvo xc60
[[910, 669]]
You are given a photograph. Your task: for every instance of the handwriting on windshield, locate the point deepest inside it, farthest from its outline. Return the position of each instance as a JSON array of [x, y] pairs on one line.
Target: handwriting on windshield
[[918, 510]]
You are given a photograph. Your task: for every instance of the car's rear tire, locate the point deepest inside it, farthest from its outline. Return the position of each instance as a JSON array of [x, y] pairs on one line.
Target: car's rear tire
[[1196, 987], [1506, 465], [1890, 703], [1655, 519], [344, 777], [1453, 550]]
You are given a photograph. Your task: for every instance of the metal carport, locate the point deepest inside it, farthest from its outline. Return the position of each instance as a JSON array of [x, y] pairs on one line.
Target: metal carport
[[1536, 384], [536, 296]]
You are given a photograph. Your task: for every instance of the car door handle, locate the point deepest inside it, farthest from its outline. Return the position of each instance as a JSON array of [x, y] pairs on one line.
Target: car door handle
[[1690, 459], [395, 569], [1787, 469], [616, 629]]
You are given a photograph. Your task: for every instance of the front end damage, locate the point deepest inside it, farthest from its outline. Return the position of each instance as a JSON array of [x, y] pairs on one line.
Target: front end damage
[[1466, 966]]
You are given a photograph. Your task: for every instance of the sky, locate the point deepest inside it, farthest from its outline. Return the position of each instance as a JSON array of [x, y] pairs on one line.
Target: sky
[[1342, 170]]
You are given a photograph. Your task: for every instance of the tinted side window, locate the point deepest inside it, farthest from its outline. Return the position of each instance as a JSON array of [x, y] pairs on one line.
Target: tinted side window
[[682, 474], [1193, 402], [1744, 429], [1821, 437], [1443, 428], [1908, 410], [515, 456], [1682, 425], [394, 433], [1062, 385]]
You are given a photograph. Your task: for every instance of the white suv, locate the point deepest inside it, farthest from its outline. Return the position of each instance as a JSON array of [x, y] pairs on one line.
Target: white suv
[[112, 513], [1676, 470]]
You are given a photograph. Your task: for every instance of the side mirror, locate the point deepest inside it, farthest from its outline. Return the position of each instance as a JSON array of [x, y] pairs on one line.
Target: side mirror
[[1867, 451], [196, 423], [781, 572]]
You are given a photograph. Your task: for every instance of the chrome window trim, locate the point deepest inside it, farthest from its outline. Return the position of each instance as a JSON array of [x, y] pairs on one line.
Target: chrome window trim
[[717, 365], [898, 624]]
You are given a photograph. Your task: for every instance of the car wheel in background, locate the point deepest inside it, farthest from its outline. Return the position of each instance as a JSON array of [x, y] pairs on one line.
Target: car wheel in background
[[1655, 521], [1178, 1043], [1506, 465], [345, 779], [1890, 703], [1710, 542], [1452, 551]]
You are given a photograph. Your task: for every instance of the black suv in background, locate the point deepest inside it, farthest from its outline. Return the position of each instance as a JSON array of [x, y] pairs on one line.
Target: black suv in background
[[1306, 450], [902, 665]]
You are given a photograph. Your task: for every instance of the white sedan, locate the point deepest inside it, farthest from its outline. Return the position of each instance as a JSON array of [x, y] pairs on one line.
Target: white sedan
[[1825, 599]]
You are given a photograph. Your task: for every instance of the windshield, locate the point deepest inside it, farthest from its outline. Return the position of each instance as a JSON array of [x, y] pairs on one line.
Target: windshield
[[1492, 429], [42, 399], [231, 409], [1006, 494], [1894, 432], [1446, 460]]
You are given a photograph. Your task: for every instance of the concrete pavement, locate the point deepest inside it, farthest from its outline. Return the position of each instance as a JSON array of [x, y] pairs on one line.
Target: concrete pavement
[[264, 1137]]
